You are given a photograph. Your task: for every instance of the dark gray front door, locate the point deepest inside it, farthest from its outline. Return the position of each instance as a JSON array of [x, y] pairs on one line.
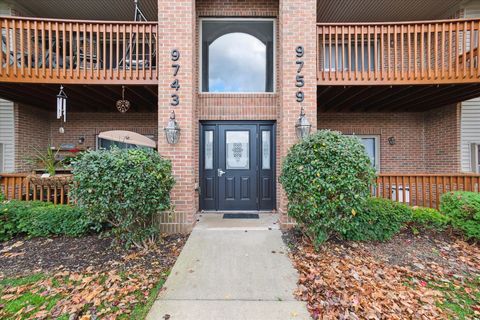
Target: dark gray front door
[[237, 166]]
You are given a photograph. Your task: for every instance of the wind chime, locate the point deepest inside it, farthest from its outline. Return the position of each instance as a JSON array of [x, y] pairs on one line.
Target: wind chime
[[62, 109]]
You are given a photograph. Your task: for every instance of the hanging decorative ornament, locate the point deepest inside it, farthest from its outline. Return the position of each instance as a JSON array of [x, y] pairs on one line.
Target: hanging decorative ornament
[[62, 108], [123, 105]]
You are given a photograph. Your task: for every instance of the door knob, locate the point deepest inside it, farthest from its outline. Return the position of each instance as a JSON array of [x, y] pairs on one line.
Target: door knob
[[220, 172]]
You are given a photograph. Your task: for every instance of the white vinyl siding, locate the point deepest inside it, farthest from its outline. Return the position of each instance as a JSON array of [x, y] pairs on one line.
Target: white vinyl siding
[[470, 131], [7, 136]]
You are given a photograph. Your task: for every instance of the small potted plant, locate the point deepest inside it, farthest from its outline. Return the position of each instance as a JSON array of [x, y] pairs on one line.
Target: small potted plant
[[49, 163]]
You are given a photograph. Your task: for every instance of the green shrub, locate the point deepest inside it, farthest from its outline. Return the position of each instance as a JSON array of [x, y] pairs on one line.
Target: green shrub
[[10, 211], [42, 219], [379, 220], [463, 209], [326, 178], [430, 219], [126, 188], [7, 226]]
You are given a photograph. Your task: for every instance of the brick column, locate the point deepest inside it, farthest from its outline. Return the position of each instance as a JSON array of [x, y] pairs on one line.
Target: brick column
[[176, 30], [297, 27]]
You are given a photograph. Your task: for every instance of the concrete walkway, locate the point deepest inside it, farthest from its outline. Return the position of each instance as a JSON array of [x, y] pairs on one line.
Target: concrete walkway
[[231, 269]]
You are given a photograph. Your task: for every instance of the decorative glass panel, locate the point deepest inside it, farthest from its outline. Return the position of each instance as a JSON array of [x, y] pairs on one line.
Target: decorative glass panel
[[266, 150], [208, 150], [238, 145]]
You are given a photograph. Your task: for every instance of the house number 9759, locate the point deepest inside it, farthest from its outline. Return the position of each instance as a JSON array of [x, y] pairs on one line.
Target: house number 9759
[[299, 79], [175, 57]]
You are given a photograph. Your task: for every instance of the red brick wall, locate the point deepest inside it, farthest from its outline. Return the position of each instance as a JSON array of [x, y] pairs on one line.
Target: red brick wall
[[239, 8], [442, 140], [176, 30], [32, 128], [37, 128], [297, 27], [425, 142], [89, 125]]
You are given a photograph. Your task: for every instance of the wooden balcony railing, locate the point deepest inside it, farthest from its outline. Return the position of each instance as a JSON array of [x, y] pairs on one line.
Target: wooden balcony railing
[[74, 51], [16, 186], [423, 190], [424, 52]]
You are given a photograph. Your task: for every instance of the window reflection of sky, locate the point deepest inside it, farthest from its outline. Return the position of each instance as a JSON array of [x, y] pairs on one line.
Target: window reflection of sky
[[237, 63]]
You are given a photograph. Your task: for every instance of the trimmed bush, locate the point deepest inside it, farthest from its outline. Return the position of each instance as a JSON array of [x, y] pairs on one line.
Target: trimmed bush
[[463, 209], [429, 219], [379, 220], [125, 188], [327, 179], [42, 219]]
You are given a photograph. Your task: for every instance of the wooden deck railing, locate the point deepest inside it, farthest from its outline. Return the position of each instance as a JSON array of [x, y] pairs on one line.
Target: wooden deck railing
[[15, 186], [423, 190], [424, 52], [74, 51]]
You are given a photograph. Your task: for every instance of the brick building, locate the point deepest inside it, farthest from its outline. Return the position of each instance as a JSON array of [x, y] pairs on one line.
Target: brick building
[[237, 73]]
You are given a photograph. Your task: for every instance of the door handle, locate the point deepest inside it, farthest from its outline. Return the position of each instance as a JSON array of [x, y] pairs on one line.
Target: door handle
[[220, 172]]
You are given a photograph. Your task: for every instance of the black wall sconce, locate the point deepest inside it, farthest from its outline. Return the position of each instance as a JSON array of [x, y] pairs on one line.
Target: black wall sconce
[[392, 141], [81, 140]]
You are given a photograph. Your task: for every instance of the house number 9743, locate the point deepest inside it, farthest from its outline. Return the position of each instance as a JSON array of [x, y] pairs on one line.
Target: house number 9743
[[175, 57], [299, 79]]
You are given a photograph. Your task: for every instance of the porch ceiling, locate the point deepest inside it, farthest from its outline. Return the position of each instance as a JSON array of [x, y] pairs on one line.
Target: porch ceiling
[[384, 10], [121, 10], [417, 98], [82, 98]]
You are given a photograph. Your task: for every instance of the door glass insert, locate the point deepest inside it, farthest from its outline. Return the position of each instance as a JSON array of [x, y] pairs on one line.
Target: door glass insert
[[237, 149], [266, 150], [208, 150]]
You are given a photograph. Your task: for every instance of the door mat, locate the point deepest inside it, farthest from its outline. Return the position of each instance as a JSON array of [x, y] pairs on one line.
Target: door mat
[[241, 216]]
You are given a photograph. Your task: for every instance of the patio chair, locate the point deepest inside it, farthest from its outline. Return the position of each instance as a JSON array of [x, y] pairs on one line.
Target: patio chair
[[138, 61], [10, 55]]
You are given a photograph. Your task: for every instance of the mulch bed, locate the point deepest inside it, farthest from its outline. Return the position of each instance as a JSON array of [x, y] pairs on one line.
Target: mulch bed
[[25, 256], [405, 278], [87, 276]]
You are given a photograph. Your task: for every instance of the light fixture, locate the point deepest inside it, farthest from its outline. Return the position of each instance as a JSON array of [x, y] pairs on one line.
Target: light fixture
[[392, 141], [172, 130], [123, 105], [302, 127], [81, 140]]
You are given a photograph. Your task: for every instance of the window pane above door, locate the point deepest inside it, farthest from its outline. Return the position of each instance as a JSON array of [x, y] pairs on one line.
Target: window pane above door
[[237, 55], [237, 150]]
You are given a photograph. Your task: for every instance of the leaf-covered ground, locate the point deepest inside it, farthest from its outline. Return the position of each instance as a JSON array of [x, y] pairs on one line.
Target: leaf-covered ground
[[83, 278], [410, 277]]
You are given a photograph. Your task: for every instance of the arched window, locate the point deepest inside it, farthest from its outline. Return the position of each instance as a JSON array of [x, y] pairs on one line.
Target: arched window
[[237, 56]]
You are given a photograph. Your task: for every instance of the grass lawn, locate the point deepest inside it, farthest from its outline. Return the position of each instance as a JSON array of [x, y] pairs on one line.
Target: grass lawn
[[30, 297], [461, 301], [116, 285]]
